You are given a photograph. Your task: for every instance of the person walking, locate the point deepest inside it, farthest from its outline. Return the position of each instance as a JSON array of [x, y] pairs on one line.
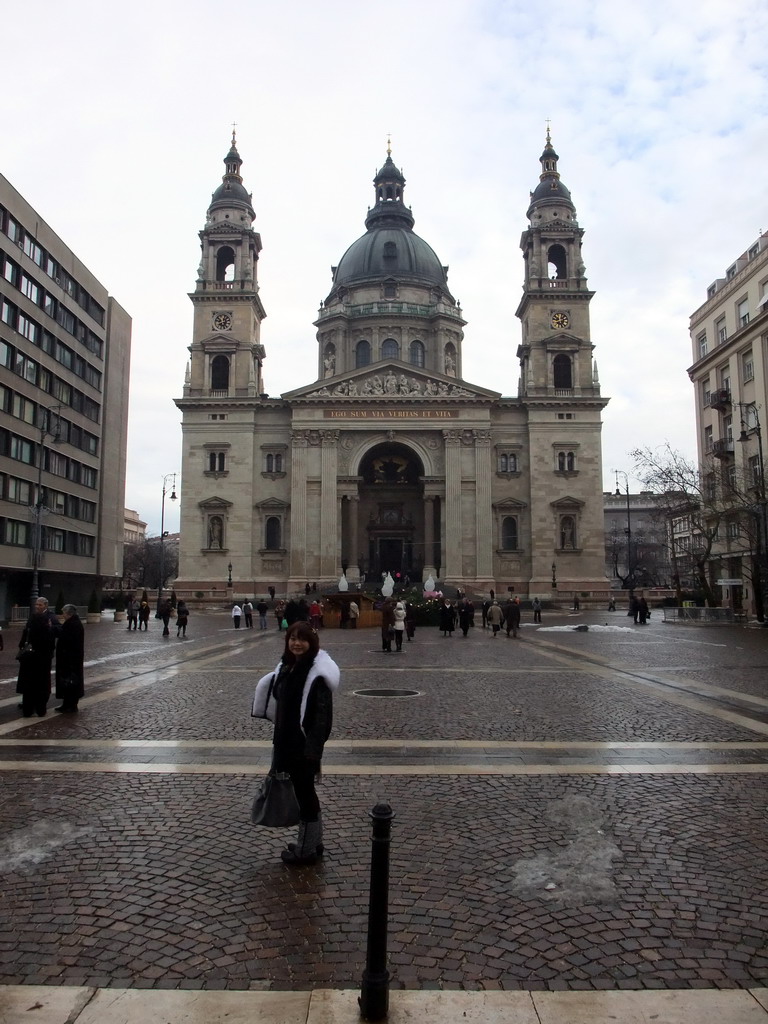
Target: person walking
[[132, 613], [262, 608], [536, 605], [70, 654], [315, 614], [298, 698], [447, 618], [144, 611], [164, 613], [643, 611], [466, 615], [36, 645], [248, 613], [399, 625], [484, 611], [634, 608], [387, 625], [513, 617], [237, 614], [182, 618], [410, 620], [280, 614], [354, 614], [495, 618]]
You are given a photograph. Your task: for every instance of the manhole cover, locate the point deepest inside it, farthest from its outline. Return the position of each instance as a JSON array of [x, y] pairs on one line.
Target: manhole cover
[[386, 693]]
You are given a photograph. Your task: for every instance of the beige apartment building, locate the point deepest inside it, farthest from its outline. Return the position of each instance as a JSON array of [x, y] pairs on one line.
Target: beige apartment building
[[65, 348], [390, 460], [729, 334]]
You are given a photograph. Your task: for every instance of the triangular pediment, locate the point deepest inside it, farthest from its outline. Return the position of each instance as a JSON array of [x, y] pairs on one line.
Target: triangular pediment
[[509, 505], [272, 505], [214, 503], [567, 502], [390, 380]]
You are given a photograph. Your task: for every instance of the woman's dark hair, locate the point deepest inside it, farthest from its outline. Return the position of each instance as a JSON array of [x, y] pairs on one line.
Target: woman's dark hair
[[303, 631]]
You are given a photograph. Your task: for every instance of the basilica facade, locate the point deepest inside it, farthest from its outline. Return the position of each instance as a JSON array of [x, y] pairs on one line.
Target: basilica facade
[[390, 460]]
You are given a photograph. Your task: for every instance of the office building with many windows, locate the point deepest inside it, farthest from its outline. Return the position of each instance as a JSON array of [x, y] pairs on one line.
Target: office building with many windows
[[64, 366]]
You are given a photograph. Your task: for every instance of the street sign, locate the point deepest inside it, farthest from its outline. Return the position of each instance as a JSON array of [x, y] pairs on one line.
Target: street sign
[[729, 583]]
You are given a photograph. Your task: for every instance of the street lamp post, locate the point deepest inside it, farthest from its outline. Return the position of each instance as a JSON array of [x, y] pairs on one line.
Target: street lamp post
[[229, 577], [762, 522], [171, 497], [554, 576], [628, 531], [37, 509]]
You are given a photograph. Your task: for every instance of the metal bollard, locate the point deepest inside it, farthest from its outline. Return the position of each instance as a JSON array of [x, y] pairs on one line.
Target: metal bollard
[[374, 993]]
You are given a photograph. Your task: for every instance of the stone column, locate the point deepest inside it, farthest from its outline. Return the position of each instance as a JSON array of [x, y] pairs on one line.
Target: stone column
[[429, 536], [483, 509], [329, 552], [298, 570], [452, 566], [353, 569]]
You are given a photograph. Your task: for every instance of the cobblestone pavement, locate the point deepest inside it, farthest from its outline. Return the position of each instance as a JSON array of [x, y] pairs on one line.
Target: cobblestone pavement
[[574, 810]]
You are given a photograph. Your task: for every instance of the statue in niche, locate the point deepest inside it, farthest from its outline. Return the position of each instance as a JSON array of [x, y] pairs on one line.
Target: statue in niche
[[566, 533], [450, 365], [215, 532], [329, 365]]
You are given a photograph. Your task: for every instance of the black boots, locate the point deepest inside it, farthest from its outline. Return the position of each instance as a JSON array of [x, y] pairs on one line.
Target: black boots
[[308, 846]]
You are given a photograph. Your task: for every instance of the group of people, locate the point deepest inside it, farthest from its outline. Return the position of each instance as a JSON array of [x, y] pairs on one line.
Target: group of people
[[397, 620], [137, 613], [43, 637], [639, 610]]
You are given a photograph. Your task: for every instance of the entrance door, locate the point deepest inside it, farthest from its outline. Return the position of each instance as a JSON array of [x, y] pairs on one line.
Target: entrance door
[[390, 554]]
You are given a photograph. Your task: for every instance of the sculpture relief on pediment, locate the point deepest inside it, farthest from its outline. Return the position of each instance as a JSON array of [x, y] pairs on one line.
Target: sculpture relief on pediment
[[388, 385]]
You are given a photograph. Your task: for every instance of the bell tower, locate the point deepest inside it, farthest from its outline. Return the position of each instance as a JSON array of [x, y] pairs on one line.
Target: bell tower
[[556, 352], [560, 392], [227, 354]]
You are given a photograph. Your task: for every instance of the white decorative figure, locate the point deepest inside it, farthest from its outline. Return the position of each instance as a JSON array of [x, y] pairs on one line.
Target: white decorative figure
[[343, 585], [429, 586], [388, 586]]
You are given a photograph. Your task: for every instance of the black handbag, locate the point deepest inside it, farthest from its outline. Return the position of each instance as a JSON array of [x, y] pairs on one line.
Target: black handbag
[[24, 652], [275, 805]]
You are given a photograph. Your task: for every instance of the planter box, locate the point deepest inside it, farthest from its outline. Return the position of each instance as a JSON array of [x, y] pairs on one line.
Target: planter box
[[93, 617]]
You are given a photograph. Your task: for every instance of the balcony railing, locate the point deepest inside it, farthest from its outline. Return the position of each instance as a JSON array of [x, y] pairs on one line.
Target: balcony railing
[[720, 399], [723, 448]]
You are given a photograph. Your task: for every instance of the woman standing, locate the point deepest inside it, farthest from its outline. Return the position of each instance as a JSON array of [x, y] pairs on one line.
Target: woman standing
[[297, 697], [70, 651]]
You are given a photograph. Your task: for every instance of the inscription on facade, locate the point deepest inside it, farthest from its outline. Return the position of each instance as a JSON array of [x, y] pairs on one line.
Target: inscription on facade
[[390, 414]]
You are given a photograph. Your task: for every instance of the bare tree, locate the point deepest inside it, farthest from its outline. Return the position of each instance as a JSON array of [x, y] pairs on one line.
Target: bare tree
[[718, 505], [141, 564]]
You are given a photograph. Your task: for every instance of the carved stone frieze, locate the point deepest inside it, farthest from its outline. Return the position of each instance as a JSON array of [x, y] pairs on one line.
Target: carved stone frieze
[[388, 385]]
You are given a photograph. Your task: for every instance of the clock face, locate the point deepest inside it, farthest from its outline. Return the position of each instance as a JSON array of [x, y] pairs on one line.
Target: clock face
[[222, 321], [560, 320]]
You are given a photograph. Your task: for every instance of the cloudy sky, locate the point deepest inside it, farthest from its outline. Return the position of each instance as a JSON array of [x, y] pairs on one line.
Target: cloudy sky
[[116, 120]]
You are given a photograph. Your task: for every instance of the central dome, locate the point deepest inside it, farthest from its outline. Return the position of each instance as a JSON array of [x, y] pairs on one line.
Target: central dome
[[390, 249], [390, 252]]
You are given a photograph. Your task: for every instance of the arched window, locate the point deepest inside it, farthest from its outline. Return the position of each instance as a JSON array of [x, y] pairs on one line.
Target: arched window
[[216, 462], [278, 463], [225, 264], [270, 463], [503, 464], [557, 261], [417, 353], [570, 462], [272, 534], [561, 368], [362, 354], [567, 533], [561, 462], [274, 463], [390, 349], [219, 373], [509, 533]]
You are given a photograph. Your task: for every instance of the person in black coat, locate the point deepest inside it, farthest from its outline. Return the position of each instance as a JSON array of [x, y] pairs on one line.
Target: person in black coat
[[448, 617], [70, 652], [34, 681]]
